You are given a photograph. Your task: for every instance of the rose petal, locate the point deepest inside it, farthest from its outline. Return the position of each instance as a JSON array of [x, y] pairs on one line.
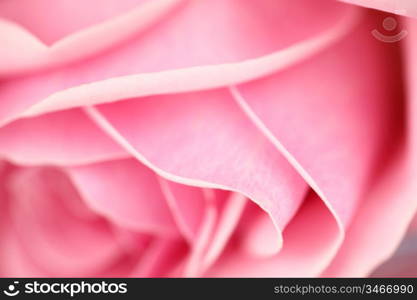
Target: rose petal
[[55, 239], [222, 214], [67, 16], [161, 257], [63, 138], [331, 115], [15, 261], [192, 266], [401, 7], [23, 51], [125, 192], [404, 261], [383, 218], [187, 205], [310, 242], [226, 225], [203, 139], [237, 49]]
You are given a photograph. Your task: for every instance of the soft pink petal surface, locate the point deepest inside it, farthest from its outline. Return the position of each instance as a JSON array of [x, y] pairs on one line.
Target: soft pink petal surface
[[63, 138], [240, 39], [401, 7], [335, 127], [384, 217], [215, 145], [310, 242], [125, 192], [74, 34], [322, 110], [51, 228]]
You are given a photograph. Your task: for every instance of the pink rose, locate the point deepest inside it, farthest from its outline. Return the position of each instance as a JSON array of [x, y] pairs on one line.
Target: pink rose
[[404, 7], [206, 138]]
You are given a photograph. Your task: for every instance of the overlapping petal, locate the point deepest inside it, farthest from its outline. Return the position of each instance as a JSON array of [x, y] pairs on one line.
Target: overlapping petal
[[33, 39], [62, 138], [244, 47], [213, 144], [400, 7], [127, 193], [51, 231], [383, 219], [215, 137]]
